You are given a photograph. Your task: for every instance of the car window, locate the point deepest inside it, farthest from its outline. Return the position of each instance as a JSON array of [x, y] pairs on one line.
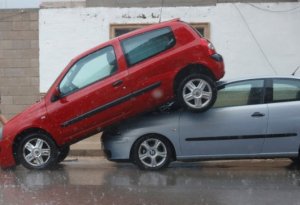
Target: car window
[[89, 69], [286, 90], [240, 93], [141, 47]]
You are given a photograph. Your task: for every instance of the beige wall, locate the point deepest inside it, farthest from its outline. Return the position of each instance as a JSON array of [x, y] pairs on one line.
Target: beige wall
[[19, 60]]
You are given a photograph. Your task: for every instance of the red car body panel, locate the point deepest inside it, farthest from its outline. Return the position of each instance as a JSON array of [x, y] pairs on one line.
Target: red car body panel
[[144, 86]]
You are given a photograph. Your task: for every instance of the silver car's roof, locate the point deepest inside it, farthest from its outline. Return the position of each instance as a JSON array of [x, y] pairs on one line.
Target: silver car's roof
[[222, 82]]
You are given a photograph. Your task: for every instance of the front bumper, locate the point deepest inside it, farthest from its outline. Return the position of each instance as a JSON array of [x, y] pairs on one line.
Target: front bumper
[[116, 147], [7, 159]]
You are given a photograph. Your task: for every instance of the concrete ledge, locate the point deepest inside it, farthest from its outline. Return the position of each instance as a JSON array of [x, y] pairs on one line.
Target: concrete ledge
[[86, 153], [63, 4], [88, 147], [169, 3]]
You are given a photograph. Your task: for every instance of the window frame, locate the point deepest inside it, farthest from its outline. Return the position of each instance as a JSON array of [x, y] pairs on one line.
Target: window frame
[[114, 27], [117, 69], [125, 55], [205, 26]]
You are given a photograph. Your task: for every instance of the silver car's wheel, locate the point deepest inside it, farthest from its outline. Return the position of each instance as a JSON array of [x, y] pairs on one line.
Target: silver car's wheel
[[37, 151], [197, 92], [152, 152]]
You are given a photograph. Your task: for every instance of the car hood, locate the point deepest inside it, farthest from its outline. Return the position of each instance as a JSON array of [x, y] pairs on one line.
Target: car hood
[[146, 122]]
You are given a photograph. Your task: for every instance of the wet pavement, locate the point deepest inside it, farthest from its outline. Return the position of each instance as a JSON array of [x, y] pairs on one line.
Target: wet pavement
[[97, 181]]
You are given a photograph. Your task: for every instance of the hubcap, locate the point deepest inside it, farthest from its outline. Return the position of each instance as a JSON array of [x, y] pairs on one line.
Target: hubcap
[[197, 93], [36, 152], [152, 152]]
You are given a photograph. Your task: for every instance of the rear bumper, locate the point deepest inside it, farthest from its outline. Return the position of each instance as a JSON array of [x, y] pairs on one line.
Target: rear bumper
[[217, 57], [216, 63]]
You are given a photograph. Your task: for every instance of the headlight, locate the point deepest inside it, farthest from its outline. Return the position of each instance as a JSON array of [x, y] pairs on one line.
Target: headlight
[[1, 131]]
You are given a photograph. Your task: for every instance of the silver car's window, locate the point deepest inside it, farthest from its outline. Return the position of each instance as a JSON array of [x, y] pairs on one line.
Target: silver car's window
[[240, 93], [89, 69], [286, 90]]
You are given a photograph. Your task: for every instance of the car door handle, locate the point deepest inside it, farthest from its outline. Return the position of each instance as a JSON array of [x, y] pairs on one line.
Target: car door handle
[[117, 83], [257, 114]]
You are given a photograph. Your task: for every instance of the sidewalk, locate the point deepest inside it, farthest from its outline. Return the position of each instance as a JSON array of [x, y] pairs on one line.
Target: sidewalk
[[88, 147]]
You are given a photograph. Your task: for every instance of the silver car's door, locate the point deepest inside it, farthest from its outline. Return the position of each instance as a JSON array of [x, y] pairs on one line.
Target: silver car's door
[[284, 118], [235, 126]]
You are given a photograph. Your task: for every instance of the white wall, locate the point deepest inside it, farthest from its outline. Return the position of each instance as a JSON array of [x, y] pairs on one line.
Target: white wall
[[257, 38], [16, 4]]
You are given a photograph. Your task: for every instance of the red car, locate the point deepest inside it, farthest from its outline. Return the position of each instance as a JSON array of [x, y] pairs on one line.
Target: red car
[[118, 79]]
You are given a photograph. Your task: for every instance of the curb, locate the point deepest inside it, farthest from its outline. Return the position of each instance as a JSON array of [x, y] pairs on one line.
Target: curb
[[86, 153]]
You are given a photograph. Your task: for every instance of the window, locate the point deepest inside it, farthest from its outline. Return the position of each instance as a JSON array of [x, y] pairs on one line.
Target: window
[[202, 28], [286, 90], [143, 46], [240, 93], [89, 69], [119, 29]]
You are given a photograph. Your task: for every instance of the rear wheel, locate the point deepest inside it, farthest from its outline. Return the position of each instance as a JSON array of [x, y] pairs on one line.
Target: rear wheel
[[152, 152], [37, 151], [197, 92]]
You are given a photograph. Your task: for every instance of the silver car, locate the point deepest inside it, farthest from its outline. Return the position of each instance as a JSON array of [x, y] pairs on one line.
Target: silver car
[[252, 118]]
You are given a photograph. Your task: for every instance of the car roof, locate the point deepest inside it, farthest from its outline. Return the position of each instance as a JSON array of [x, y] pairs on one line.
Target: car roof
[[126, 35], [148, 28], [223, 82]]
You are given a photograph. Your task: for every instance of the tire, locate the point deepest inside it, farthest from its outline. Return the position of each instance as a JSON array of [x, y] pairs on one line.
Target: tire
[[197, 92], [152, 152], [295, 160], [63, 153], [37, 151]]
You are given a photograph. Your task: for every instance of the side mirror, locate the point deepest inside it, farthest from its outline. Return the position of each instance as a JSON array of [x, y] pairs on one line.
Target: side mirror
[[56, 95]]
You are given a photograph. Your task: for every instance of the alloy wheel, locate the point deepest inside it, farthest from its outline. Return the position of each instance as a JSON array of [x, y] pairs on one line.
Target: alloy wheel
[[152, 152], [197, 93], [36, 152]]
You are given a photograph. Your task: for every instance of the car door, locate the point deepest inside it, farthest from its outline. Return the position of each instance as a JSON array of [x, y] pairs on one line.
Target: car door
[[284, 117], [235, 126], [148, 60], [91, 94]]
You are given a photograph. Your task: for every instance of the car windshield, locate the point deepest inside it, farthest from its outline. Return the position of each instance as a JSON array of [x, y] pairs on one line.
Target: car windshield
[[89, 69]]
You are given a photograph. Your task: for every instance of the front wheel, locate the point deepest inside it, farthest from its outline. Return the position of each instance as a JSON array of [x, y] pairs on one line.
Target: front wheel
[[197, 92], [37, 151], [63, 153], [152, 152]]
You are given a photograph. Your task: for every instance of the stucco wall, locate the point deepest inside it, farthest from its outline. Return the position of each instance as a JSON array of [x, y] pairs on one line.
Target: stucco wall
[[261, 38]]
